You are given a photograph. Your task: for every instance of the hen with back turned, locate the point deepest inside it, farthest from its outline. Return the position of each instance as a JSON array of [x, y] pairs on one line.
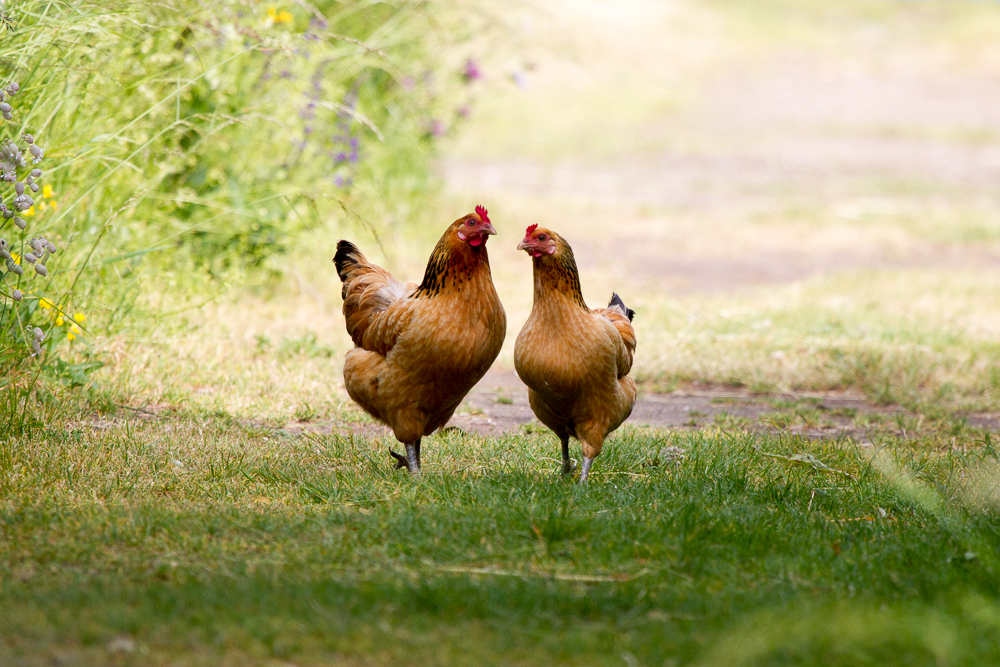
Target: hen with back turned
[[419, 349], [574, 360]]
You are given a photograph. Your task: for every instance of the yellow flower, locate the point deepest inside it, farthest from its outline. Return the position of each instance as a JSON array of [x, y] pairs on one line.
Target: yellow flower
[[60, 321], [70, 336], [41, 206], [27, 214], [80, 317], [47, 191], [17, 260], [278, 17], [75, 329], [54, 204], [45, 303]]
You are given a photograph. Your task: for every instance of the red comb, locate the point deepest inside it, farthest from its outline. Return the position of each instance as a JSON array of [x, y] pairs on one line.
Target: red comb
[[481, 212], [530, 229]]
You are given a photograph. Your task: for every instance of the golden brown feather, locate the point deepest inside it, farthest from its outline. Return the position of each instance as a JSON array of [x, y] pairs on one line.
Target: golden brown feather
[[421, 348], [574, 360]]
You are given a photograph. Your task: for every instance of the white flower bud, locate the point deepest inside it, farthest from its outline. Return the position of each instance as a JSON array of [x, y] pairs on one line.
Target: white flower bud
[[16, 295], [36, 173], [13, 87], [21, 224], [18, 270], [36, 243], [36, 346], [41, 270], [19, 187], [39, 334], [30, 258], [50, 247], [37, 151], [28, 139]]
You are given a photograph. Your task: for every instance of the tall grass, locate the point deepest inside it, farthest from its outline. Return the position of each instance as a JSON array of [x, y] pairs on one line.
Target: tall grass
[[193, 144]]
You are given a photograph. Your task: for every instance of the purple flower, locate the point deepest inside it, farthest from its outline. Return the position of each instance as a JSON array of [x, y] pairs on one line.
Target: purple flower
[[407, 83], [471, 71], [464, 111], [437, 128]]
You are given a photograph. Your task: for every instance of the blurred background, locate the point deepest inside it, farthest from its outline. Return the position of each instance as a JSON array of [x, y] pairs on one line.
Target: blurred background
[[795, 196]]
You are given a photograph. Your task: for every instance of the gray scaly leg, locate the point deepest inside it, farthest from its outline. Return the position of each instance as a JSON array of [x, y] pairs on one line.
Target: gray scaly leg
[[585, 472], [567, 467]]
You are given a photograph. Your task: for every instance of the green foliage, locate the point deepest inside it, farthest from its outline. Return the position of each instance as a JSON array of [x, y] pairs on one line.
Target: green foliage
[[192, 144]]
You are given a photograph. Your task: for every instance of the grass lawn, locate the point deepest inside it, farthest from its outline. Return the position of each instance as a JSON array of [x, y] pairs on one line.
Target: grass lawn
[[201, 541]]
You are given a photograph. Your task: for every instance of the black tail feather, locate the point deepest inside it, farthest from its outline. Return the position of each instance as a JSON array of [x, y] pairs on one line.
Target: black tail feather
[[617, 301], [346, 256]]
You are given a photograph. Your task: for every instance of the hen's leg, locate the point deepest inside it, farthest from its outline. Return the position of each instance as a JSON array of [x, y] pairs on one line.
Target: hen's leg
[[412, 459], [567, 467], [585, 472]]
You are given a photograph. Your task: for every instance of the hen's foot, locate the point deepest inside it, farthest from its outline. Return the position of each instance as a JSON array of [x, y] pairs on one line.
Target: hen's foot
[[585, 473], [412, 459], [401, 461]]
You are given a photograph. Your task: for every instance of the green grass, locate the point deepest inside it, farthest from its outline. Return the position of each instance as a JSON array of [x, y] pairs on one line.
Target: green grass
[[205, 542]]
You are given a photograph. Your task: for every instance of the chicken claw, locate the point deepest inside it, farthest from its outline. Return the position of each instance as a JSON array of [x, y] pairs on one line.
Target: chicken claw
[[401, 461], [412, 459]]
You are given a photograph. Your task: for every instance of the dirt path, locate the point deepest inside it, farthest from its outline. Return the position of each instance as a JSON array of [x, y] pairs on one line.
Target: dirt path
[[499, 404]]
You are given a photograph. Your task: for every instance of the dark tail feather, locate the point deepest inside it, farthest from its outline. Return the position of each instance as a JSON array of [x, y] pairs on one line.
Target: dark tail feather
[[615, 301], [346, 257]]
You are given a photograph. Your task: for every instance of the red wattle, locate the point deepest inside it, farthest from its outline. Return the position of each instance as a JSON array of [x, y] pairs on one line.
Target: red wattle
[[476, 240]]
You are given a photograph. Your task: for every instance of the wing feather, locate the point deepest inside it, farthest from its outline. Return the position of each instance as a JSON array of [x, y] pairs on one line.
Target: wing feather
[[374, 301]]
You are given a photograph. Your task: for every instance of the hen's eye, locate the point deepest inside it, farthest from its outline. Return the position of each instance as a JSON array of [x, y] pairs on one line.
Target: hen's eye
[[541, 237], [470, 223]]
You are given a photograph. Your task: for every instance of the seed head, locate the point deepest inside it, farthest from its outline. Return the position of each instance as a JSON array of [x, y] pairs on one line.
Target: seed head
[[21, 224], [19, 187], [41, 270], [30, 257], [33, 186], [36, 243], [36, 150], [6, 108], [13, 87], [17, 270], [16, 295], [50, 247], [28, 139], [36, 173]]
